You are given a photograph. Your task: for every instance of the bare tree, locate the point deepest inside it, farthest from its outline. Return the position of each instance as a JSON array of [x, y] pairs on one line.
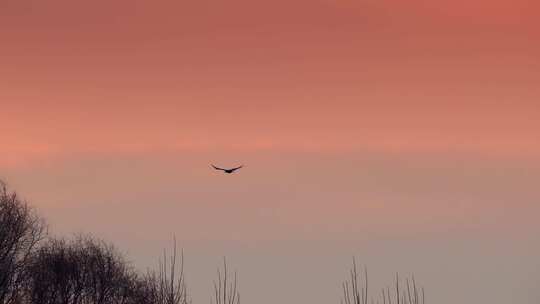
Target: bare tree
[[80, 271], [168, 284], [355, 290], [20, 232], [83, 270], [225, 291]]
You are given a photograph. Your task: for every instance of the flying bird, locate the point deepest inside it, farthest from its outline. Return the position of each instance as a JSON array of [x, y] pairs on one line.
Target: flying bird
[[228, 171]]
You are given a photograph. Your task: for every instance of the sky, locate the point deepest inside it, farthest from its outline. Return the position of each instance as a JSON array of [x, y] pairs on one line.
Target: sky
[[404, 133]]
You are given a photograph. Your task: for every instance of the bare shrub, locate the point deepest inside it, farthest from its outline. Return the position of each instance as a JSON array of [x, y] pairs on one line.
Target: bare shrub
[[168, 284], [225, 291], [355, 290]]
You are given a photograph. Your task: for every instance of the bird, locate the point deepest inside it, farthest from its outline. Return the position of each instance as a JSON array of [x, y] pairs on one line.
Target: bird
[[228, 171]]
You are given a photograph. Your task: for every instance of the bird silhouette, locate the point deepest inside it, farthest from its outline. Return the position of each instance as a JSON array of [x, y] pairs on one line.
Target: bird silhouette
[[228, 171]]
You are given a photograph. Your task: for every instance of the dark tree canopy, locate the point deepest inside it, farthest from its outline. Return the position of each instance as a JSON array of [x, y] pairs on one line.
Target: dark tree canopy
[[37, 269], [21, 230], [80, 271]]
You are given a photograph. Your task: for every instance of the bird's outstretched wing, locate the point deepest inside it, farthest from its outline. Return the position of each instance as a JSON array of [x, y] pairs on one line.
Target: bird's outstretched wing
[[217, 168], [234, 169]]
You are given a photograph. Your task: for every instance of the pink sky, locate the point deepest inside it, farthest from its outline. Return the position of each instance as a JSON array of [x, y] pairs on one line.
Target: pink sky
[[375, 126]]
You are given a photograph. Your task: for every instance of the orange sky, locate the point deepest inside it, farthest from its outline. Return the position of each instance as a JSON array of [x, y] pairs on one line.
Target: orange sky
[[381, 75], [420, 117]]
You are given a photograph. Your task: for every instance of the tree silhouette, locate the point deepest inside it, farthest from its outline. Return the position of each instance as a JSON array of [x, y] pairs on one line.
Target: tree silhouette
[[225, 291], [355, 290], [21, 230], [168, 284], [80, 271], [36, 269]]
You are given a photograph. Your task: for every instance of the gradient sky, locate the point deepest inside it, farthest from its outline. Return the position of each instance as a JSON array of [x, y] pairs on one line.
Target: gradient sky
[[402, 132]]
